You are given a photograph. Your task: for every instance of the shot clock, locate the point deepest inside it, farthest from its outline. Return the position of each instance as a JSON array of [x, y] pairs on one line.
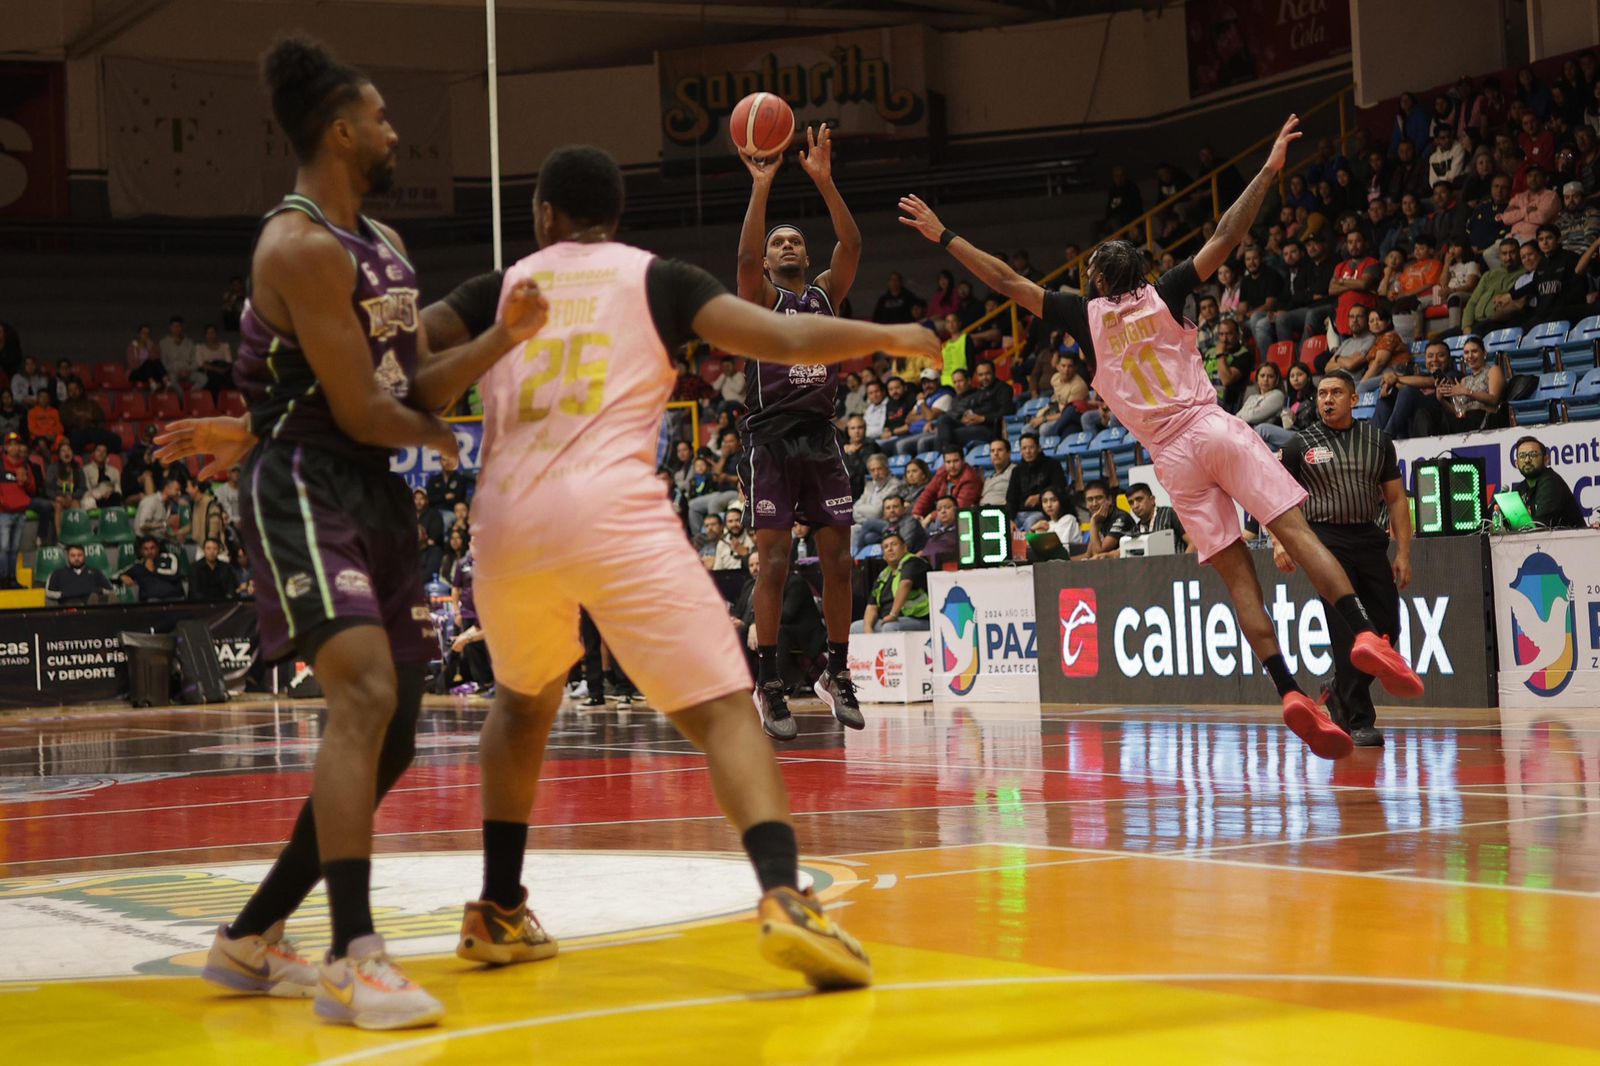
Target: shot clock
[[984, 537], [1448, 497]]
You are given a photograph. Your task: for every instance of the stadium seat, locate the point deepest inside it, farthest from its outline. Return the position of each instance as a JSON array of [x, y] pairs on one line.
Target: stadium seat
[[199, 404], [83, 371], [76, 528], [1578, 350], [1070, 445], [898, 464], [1313, 347], [95, 556], [1533, 413], [1584, 406], [106, 402], [115, 526], [1455, 344], [132, 407], [231, 401], [1048, 443], [165, 406], [1281, 355], [1419, 346], [46, 562], [1032, 407], [1112, 437], [1545, 335], [111, 376], [126, 432], [1539, 407], [1503, 340]]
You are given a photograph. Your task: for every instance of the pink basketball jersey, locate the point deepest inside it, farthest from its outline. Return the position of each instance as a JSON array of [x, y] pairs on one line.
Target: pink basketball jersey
[[1149, 370], [571, 418]]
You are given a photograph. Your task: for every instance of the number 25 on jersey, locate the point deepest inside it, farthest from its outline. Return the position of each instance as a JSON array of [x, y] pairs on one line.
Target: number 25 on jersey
[[579, 361]]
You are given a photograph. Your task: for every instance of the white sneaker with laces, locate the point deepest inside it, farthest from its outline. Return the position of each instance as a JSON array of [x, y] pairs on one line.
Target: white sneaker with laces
[[267, 965], [368, 990]]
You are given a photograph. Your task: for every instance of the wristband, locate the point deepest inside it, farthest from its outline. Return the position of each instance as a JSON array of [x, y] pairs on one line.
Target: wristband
[[946, 237]]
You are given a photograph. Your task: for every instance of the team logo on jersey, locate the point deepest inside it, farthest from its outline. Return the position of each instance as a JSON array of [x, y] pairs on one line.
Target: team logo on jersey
[[810, 376], [384, 253], [353, 582], [393, 312], [297, 585], [1319, 455], [394, 272], [766, 507], [391, 377], [1543, 626]]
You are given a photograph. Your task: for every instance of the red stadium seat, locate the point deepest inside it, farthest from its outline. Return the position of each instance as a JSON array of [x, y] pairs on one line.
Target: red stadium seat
[[106, 402], [232, 402], [84, 372], [166, 405], [1313, 347], [132, 407], [1281, 355], [111, 376], [125, 431], [199, 405], [114, 462]]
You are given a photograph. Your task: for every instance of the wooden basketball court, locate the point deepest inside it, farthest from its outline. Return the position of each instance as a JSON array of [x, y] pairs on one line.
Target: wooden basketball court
[[1113, 884]]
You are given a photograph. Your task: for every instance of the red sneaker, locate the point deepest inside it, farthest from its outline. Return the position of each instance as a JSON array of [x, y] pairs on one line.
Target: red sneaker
[[1374, 655], [1311, 724]]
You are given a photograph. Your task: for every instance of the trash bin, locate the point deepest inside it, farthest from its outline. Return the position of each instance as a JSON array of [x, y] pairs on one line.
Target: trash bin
[[150, 658]]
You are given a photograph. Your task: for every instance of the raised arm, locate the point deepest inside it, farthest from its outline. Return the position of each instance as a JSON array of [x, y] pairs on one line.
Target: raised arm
[[993, 271], [753, 283], [1237, 220], [817, 161], [736, 325]]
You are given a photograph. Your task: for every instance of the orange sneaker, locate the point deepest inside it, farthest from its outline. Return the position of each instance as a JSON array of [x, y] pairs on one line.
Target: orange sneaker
[[798, 935], [1373, 655], [1311, 724], [500, 937]]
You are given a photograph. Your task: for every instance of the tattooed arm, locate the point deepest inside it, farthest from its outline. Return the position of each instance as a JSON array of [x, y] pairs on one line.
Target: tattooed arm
[[1236, 221]]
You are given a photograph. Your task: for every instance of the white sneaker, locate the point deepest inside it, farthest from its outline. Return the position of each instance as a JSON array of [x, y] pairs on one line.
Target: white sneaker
[[579, 691], [267, 964], [367, 989]]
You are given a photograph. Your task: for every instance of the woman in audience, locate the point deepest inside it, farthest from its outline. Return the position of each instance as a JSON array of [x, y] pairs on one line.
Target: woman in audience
[[914, 480], [1266, 403], [64, 481], [216, 362], [455, 548], [13, 419], [1469, 402], [1299, 408], [1057, 519], [144, 360], [1228, 302], [945, 300]]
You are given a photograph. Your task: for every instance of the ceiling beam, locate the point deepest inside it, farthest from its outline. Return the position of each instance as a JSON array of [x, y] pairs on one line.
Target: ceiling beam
[[987, 9], [100, 34], [798, 15]]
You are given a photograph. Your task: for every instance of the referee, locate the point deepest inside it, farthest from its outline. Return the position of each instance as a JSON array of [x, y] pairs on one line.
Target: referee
[[1349, 469]]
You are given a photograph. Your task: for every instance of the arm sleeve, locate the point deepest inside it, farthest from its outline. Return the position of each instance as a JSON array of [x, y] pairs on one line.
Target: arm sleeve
[[676, 292], [476, 301], [1176, 285], [1068, 311]]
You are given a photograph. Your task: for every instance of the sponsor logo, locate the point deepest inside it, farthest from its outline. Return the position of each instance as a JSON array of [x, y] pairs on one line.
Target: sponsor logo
[[838, 501], [766, 507], [393, 312], [1187, 637], [233, 654], [15, 653], [394, 272], [1319, 455], [297, 585], [978, 638], [420, 614], [1080, 633], [809, 376], [353, 582], [1543, 624], [888, 668], [958, 622]]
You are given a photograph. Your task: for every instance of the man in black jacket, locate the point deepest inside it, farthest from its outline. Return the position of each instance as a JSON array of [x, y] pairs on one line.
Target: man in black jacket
[[801, 636], [1546, 493], [1036, 472], [1306, 280], [211, 580], [979, 413], [76, 584]]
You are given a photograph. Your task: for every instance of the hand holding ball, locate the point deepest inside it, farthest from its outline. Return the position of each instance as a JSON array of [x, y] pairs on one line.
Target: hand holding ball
[[761, 125]]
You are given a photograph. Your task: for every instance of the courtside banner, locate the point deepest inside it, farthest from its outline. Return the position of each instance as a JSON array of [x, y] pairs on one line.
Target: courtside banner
[[1161, 630], [416, 464], [892, 667], [985, 640], [1547, 590]]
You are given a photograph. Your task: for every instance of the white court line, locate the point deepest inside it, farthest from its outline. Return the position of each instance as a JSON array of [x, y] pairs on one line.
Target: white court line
[[885, 881], [1358, 980]]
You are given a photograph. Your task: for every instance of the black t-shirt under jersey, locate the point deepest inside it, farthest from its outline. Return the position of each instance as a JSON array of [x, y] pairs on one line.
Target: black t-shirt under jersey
[[1069, 311], [675, 290]]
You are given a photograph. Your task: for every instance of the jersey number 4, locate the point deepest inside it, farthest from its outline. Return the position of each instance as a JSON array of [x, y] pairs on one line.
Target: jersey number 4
[[571, 360], [1134, 364]]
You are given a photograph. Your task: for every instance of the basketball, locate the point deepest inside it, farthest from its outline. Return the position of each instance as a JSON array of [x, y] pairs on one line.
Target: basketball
[[761, 125]]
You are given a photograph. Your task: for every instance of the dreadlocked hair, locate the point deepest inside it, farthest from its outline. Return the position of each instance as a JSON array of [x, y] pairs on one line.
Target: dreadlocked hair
[[1121, 267], [308, 87]]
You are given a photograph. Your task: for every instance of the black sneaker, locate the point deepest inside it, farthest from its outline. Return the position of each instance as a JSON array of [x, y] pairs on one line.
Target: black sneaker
[[773, 706], [1330, 702], [838, 691], [624, 703], [1368, 737], [593, 702]]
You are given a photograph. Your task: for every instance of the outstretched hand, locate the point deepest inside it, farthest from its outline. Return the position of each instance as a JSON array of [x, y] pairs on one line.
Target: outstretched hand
[[226, 440], [525, 311], [762, 171], [920, 217], [913, 341], [1280, 147], [817, 158]]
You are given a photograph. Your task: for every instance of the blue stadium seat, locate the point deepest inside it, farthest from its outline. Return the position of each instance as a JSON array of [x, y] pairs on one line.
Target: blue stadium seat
[[1109, 438], [1419, 346], [1455, 344], [1578, 350], [1504, 340], [1539, 408], [1092, 464], [1532, 413], [1049, 443], [1073, 444], [898, 464], [1545, 335], [1032, 407], [1584, 403], [1587, 388]]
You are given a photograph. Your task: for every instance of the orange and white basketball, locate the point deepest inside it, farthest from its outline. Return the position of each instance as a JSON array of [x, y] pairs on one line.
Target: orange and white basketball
[[761, 125]]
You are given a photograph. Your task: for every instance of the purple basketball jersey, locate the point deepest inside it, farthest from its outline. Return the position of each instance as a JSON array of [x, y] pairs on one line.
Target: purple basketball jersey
[[780, 399], [286, 400]]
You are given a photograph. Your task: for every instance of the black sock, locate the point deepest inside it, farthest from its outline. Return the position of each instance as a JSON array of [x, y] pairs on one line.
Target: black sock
[[504, 844], [838, 658], [1354, 615], [774, 853], [766, 663], [1280, 674], [349, 889], [287, 884]]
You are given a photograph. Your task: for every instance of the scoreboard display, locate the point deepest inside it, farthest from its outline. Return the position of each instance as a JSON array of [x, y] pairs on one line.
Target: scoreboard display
[[1448, 497], [984, 537]]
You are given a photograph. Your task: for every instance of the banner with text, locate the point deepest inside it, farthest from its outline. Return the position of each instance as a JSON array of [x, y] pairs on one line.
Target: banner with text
[[985, 641], [197, 139], [33, 140], [416, 464], [1232, 42], [863, 83], [1162, 630], [1547, 591], [892, 667]]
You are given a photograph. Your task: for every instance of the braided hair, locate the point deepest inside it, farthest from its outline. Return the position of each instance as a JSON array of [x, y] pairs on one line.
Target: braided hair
[[1120, 266], [308, 87]]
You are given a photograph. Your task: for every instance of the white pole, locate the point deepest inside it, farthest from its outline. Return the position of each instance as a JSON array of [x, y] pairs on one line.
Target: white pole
[[494, 136]]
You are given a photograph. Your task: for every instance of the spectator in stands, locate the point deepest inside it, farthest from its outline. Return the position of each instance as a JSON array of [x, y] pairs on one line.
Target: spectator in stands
[[1490, 301], [1304, 285], [733, 548], [1353, 352], [1410, 224], [155, 574], [461, 518], [979, 413], [955, 479], [233, 300], [1538, 144], [960, 350], [1470, 400], [971, 306], [100, 480], [430, 529], [1124, 202], [63, 377], [77, 584], [1389, 351], [44, 420], [446, 488], [858, 448], [875, 417], [1354, 284], [943, 532], [1449, 214], [1265, 404], [852, 396], [1261, 293], [214, 359], [689, 386], [724, 482], [1411, 124], [1207, 316], [1478, 182], [867, 511], [158, 514], [28, 382], [1229, 301], [1229, 365], [1462, 272], [18, 487], [227, 494], [1033, 476], [997, 486], [144, 359], [1548, 497], [1405, 398], [64, 482], [1545, 291], [1552, 249], [1407, 174], [945, 301], [1532, 207], [1149, 517], [896, 412], [1299, 410], [731, 382], [177, 354], [1579, 223], [898, 601], [705, 542], [1069, 399], [13, 419], [212, 580], [455, 549], [1108, 523], [894, 305], [84, 421], [1054, 516], [1448, 160]]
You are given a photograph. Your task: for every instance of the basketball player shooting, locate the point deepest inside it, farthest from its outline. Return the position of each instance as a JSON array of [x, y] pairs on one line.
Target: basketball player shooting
[[1150, 374], [794, 472]]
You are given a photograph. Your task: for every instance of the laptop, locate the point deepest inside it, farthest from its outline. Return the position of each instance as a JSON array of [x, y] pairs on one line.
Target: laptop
[[1514, 511]]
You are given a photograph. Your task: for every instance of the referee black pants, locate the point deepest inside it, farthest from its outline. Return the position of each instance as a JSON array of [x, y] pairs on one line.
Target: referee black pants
[[1363, 551]]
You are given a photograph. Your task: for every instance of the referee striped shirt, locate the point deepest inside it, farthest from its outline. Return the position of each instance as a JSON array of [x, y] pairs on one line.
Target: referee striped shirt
[[1344, 471]]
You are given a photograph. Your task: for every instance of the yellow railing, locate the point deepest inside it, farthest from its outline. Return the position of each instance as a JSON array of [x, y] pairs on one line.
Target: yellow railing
[[1341, 100]]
